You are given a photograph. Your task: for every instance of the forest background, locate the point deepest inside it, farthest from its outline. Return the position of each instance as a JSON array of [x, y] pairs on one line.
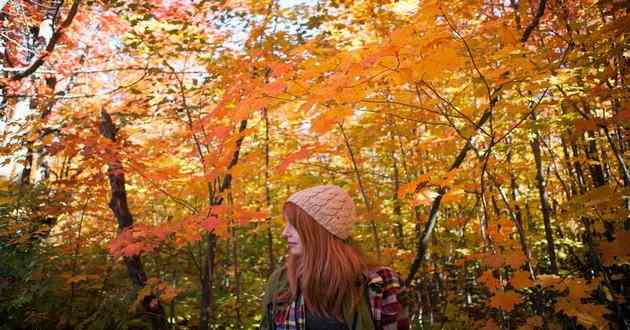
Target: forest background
[[147, 148]]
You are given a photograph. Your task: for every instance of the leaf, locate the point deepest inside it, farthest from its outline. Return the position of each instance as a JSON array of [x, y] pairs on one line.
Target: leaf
[[275, 88], [515, 259], [410, 187], [548, 280], [582, 125], [492, 260], [132, 249], [325, 121], [617, 251], [453, 196], [490, 281], [303, 153], [505, 300], [521, 280], [279, 69], [210, 223], [622, 116]]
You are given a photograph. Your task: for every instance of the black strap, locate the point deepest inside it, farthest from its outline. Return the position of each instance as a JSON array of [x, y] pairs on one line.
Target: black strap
[[354, 321]]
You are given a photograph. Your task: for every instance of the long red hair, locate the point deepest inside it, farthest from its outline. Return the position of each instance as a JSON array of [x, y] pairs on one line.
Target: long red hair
[[329, 270]]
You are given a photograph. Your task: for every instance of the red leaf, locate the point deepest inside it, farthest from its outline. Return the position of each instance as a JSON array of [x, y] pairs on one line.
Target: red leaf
[[210, 223]]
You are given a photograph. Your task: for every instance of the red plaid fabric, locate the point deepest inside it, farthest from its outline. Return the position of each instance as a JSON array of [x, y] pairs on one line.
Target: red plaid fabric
[[384, 291]]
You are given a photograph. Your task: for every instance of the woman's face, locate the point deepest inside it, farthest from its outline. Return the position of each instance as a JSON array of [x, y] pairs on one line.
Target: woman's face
[[293, 239]]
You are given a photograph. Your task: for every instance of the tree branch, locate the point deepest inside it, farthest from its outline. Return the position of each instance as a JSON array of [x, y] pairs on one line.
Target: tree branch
[[51, 44], [534, 23], [435, 206]]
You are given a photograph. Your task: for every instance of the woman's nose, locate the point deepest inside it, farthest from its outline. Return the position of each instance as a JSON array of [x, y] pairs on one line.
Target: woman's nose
[[284, 231]]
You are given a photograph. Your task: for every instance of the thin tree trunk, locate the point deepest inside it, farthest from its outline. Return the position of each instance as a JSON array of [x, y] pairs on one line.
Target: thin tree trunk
[[400, 234], [544, 202], [623, 169], [120, 208], [368, 205], [422, 244], [569, 167], [578, 168], [215, 199], [271, 262], [206, 282], [237, 266], [594, 165]]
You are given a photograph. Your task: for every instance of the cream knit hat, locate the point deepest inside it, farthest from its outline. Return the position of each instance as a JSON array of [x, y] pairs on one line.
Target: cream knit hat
[[330, 206]]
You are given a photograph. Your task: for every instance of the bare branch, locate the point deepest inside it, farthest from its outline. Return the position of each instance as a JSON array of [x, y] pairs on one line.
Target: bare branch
[[534, 23]]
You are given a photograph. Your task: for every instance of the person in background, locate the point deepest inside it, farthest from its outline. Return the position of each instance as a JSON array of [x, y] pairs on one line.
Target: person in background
[[326, 282]]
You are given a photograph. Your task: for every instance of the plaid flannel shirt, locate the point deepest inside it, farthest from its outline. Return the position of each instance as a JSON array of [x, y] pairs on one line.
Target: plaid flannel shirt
[[385, 290]]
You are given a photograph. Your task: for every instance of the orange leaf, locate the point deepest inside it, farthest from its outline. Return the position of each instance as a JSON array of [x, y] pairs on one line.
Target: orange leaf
[[622, 116], [210, 223], [489, 281], [493, 261], [515, 259], [325, 121], [279, 69], [275, 88], [520, 280], [585, 125], [303, 153], [411, 186], [505, 300]]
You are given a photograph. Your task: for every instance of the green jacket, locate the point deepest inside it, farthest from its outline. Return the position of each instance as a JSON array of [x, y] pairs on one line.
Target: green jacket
[[278, 282]]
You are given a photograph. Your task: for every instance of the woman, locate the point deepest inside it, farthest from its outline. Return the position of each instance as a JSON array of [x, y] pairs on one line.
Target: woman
[[326, 283]]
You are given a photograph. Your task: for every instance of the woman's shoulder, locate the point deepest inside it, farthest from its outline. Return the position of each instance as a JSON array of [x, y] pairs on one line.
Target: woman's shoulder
[[278, 277]]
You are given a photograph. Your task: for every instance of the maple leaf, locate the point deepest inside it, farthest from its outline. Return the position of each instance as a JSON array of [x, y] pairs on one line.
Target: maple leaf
[[579, 289], [303, 153], [275, 88], [210, 223], [131, 249], [492, 260], [585, 125], [616, 251], [505, 300], [279, 69], [515, 259], [520, 280], [161, 232], [622, 116], [490, 281]]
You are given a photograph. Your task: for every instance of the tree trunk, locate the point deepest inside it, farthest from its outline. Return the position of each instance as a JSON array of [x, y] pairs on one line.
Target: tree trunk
[[544, 202], [421, 247], [594, 165], [120, 208], [207, 278], [206, 282], [400, 233], [368, 205], [271, 262]]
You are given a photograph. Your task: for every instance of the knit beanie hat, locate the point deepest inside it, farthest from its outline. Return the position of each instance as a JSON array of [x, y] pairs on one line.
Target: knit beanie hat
[[330, 206]]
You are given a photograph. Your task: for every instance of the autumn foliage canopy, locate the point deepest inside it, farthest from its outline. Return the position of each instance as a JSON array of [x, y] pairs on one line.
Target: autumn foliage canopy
[[147, 148]]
